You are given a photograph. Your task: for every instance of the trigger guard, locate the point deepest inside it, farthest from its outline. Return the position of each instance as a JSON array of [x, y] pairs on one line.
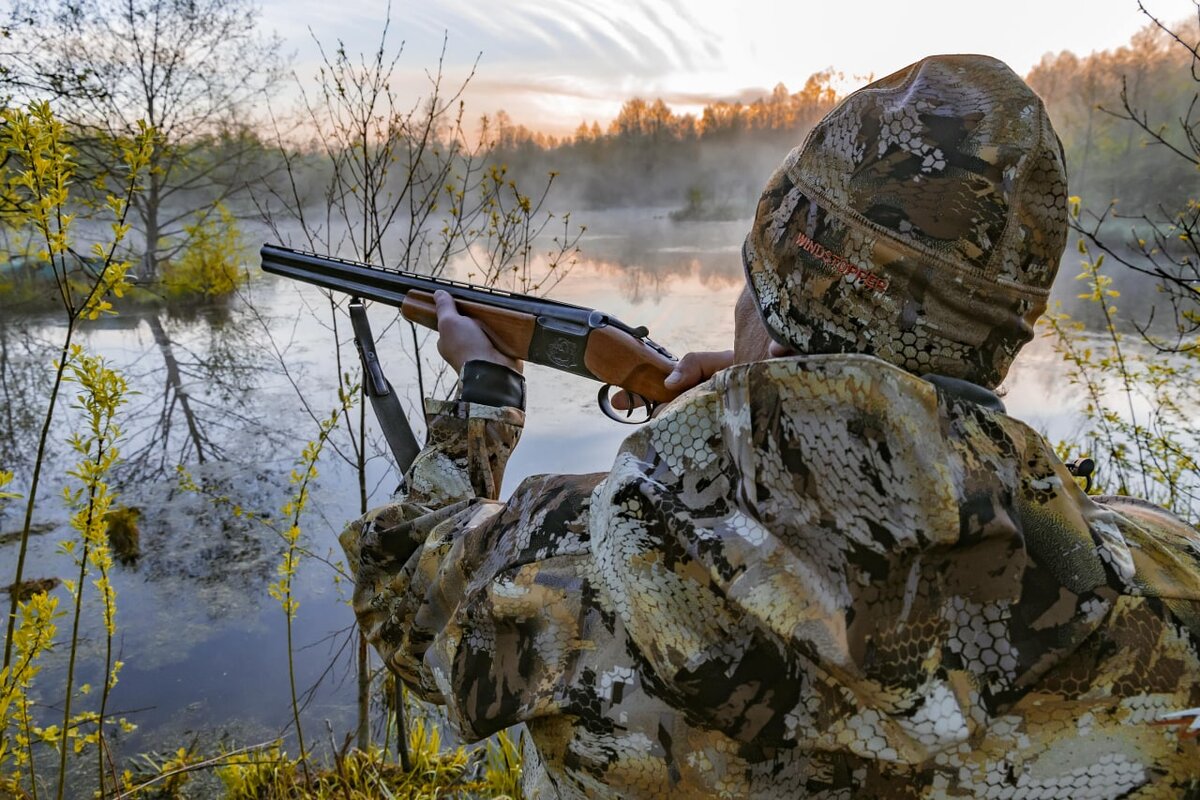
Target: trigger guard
[[626, 417]]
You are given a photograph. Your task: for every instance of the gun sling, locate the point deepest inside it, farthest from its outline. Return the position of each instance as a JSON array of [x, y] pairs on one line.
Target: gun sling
[[384, 401]]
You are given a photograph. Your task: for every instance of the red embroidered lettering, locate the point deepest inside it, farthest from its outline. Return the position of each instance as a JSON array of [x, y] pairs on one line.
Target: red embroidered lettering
[[841, 265]]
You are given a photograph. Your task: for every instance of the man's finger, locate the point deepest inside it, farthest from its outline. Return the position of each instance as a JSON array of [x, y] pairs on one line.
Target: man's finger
[[777, 350], [624, 401], [695, 368]]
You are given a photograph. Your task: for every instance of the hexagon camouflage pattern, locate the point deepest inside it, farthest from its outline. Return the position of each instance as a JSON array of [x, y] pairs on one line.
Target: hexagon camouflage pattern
[[921, 221], [810, 577]]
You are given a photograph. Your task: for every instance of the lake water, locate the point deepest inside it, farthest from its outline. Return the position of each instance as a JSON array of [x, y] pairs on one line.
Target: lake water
[[232, 394]]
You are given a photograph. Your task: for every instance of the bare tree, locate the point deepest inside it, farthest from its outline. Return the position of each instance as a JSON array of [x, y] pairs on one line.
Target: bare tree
[[1162, 239], [196, 71], [406, 185]]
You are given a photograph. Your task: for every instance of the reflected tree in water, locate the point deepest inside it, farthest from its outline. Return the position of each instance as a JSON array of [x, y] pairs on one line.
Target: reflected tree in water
[[23, 376], [193, 407]]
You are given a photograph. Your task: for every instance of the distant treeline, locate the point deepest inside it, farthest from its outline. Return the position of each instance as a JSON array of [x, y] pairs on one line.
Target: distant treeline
[[714, 165], [1093, 101], [650, 156]]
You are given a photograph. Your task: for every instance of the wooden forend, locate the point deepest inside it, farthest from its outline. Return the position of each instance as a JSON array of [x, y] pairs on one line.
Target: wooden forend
[[510, 331]]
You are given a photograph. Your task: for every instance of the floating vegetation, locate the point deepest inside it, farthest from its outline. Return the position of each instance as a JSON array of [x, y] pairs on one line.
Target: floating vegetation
[[28, 588], [123, 534]]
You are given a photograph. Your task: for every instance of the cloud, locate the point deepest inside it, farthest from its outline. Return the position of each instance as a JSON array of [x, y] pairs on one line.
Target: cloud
[[575, 88], [618, 37]]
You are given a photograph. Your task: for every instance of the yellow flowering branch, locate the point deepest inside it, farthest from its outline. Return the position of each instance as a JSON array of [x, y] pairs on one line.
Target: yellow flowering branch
[[1137, 404], [40, 168], [32, 638], [301, 478], [102, 393]]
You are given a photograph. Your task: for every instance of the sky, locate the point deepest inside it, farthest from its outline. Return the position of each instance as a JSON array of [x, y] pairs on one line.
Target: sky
[[551, 64]]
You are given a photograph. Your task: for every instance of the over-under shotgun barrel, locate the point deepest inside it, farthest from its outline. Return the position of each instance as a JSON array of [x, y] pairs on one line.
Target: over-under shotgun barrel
[[571, 338]]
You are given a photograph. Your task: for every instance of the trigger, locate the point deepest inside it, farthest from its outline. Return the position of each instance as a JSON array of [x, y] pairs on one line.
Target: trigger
[[605, 403]]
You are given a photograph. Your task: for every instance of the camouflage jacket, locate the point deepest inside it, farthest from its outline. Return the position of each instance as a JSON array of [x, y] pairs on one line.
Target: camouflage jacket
[[810, 577]]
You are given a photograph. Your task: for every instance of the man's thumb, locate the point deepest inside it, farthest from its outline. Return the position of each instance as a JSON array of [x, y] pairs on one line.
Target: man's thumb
[[445, 304]]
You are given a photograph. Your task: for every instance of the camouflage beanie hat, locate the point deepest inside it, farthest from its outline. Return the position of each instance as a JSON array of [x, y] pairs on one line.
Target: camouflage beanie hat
[[921, 221]]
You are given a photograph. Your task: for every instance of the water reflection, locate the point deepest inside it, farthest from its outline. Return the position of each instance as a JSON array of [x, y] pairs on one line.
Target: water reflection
[[25, 377], [198, 382], [647, 240], [197, 406]]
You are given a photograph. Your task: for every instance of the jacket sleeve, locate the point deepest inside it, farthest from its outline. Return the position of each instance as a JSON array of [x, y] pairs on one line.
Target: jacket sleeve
[[476, 604], [450, 488]]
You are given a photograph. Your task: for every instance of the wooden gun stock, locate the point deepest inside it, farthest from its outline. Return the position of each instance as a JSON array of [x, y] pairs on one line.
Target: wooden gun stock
[[611, 355], [617, 358]]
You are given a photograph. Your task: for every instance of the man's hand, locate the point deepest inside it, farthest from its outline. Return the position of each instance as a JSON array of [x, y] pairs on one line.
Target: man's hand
[[462, 339], [692, 370], [695, 368]]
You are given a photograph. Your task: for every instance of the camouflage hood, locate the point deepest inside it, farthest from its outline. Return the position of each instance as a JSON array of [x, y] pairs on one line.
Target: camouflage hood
[[921, 222]]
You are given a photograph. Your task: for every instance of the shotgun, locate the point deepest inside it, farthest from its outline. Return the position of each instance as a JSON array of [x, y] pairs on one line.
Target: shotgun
[[582, 341]]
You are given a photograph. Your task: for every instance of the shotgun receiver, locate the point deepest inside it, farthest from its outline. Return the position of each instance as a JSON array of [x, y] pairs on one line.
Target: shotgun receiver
[[570, 338]]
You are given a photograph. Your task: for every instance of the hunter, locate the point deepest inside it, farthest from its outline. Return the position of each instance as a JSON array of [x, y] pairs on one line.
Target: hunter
[[840, 573]]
